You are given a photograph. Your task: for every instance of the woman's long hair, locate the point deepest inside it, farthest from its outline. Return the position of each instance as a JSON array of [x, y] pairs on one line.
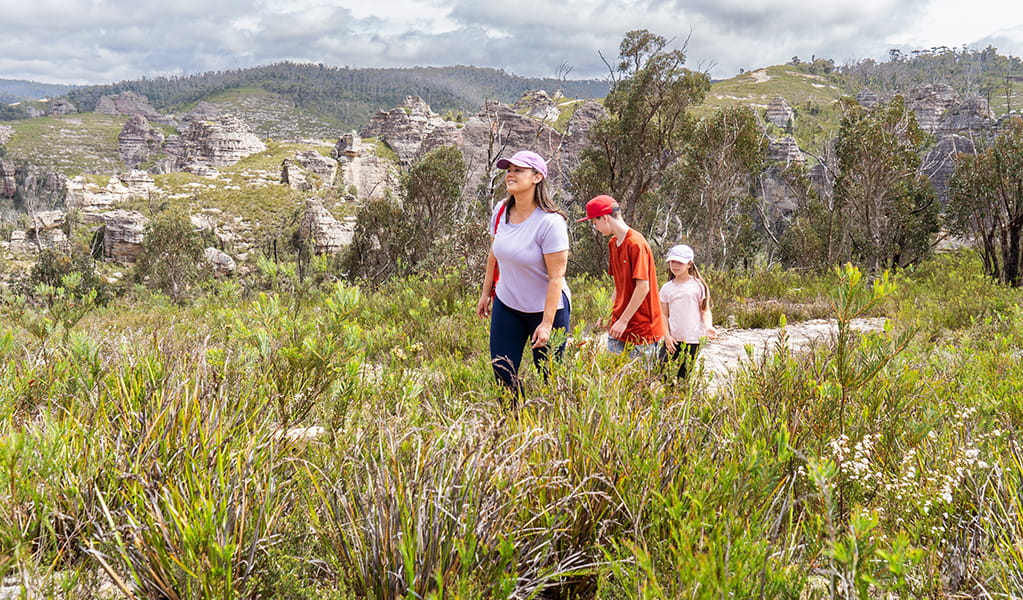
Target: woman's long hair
[[695, 274], [543, 199]]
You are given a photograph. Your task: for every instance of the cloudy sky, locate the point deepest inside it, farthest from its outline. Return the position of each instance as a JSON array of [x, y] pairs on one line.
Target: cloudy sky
[[104, 41]]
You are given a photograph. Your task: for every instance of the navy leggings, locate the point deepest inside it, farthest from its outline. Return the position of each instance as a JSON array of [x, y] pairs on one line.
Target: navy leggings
[[510, 331]]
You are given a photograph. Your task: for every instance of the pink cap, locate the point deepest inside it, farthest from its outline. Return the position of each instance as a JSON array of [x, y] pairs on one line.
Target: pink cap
[[527, 159]]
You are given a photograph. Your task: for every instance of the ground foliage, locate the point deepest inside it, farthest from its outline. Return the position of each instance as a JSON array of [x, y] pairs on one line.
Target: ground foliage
[[151, 449]]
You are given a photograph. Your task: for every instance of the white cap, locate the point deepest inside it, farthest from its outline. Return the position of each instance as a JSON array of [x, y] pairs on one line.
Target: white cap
[[681, 253]]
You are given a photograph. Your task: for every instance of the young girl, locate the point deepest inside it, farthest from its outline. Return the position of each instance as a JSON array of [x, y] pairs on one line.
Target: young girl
[[685, 308]]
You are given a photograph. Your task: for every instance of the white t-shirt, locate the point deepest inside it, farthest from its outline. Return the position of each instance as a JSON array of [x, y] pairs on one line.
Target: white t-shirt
[[685, 319], [519, 249]]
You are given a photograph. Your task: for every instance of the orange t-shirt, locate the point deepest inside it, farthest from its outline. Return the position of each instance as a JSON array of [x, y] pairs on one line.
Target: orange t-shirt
[[630, 261]]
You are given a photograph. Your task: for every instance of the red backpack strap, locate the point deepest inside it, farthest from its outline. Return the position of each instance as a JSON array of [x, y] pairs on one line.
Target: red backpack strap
[[500, 213]]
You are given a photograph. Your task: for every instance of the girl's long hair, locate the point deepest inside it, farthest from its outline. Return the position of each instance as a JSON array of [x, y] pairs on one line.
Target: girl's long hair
[[695, 274], [543, 199]]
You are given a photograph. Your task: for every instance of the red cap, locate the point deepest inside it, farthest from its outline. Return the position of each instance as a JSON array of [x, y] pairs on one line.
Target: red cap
[[598, 207]]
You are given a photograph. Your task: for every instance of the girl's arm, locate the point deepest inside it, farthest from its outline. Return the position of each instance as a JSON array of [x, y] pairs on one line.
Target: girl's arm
[[708, 322], [669, 342], [557, 263]]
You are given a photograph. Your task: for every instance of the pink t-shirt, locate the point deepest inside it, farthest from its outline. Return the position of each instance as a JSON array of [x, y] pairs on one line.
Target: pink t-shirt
[[519, 249], [685, 319]]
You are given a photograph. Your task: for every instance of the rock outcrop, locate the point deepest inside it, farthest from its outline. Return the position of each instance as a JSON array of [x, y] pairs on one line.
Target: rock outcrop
[[45, 233], [319, 227], [221, 263], [217, 143], [309, 170], [8, 179], [363, 173], [61, 107], [127, 103], [123, 232], [929, 103], [138, 141], [6, 131], [971, 116], [867, 98], [785, 150], [939, 164], [538, 105], [404, 127], [780, 113]]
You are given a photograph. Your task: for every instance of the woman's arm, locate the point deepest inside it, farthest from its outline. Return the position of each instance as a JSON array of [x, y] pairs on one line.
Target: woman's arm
[[486, 295], [556, 263]]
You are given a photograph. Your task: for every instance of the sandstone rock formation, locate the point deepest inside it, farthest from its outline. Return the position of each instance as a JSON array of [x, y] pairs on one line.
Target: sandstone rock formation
[[217, 143], [361, 171], [326, 234], [127, 103], [6, 131], [309, 170], [404, 127], [203, 111], [972, 115], [138, 141], [929, 103], [91, 200], [780, 113], [939, 164], [867, 98], [538, 105], [221, 263], [785, 150], [8, 180], [61, 107], [123, 232], [46, 232]]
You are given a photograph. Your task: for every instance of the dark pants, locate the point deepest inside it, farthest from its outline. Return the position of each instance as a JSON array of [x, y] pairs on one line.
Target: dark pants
[[684, 356], [510, 331]]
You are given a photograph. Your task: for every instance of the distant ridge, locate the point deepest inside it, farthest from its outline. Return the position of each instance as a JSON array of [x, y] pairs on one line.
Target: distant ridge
[[345, 96], [19, 90]]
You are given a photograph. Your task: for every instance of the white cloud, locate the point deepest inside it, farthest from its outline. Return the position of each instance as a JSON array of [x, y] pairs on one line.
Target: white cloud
[[100, 41]]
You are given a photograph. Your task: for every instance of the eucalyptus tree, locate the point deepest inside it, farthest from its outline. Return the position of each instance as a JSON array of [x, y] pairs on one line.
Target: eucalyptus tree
[[706, 196], [890, 211], [647, 126], [986, 204]]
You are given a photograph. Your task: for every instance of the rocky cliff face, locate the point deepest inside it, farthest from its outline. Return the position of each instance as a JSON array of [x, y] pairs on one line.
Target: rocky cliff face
[[138, 141], [939, 164], [780, 113], [8, 181], [929, 103], [404, 127]]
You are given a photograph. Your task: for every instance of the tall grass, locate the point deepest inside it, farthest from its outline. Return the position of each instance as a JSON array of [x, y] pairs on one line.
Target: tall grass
[[334, 442]]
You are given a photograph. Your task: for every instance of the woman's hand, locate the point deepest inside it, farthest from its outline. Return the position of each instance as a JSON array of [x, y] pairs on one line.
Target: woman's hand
[[541, 335], [712, 332], [669, 343], [483, 306]]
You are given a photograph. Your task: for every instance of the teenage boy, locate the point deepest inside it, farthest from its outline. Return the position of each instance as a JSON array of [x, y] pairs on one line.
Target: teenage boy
[[636, 314]]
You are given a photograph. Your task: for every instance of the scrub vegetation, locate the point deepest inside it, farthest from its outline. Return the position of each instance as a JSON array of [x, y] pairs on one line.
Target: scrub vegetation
[[327, 441]]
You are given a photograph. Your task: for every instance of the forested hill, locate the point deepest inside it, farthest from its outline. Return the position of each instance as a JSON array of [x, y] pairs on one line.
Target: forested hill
[[348, 97], [985, 73], [17, 90]]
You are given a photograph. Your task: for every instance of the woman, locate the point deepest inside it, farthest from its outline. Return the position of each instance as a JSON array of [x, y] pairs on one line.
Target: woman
[[529, 250]]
